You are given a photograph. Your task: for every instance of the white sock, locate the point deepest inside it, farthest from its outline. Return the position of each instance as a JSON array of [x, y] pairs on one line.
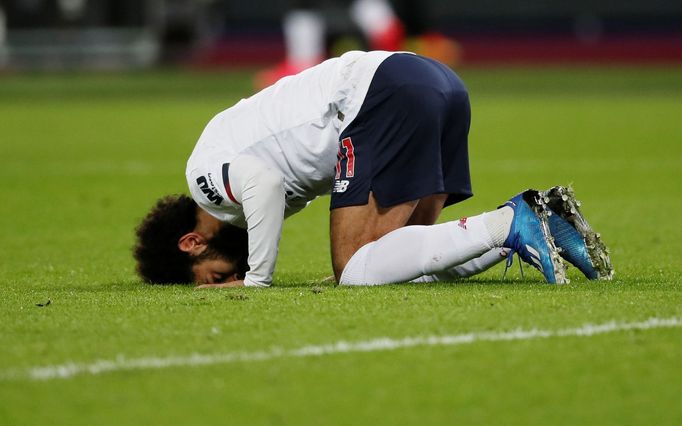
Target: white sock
[[468, 269], [413, 251], [498, 222], [304, 37]]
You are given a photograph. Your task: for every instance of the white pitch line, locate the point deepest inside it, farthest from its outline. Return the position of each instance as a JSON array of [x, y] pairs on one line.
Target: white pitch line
[[121, 363]]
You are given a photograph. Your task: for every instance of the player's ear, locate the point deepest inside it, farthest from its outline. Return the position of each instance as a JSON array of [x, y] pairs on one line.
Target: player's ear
[[192, 243]]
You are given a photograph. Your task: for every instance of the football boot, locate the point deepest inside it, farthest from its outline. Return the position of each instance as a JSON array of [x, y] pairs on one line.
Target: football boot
[[579, 244], [530, 237]]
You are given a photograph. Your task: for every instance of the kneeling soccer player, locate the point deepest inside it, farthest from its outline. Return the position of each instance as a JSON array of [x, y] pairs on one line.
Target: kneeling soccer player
[[386, 134]]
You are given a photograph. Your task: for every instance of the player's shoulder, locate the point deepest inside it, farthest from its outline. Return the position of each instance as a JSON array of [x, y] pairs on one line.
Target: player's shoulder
[[208, 181], [216, 179], [206, 187]]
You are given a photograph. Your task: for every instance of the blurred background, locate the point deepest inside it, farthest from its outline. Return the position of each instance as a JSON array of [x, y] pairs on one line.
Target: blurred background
[[121, 34]]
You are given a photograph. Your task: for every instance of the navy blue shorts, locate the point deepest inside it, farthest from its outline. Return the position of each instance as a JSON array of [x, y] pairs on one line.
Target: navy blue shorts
[[410, 138]]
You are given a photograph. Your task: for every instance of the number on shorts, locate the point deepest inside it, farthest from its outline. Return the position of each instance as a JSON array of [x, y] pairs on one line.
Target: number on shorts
[[346, 144]]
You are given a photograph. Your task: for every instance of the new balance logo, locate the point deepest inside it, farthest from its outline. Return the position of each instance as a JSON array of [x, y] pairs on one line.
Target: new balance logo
[[340, 186], [209, 191]]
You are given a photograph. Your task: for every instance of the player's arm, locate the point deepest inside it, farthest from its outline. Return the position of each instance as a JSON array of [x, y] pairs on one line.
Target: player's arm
[[260, 192]]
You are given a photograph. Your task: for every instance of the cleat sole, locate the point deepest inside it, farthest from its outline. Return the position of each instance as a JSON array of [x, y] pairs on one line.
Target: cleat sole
[[562, 200]]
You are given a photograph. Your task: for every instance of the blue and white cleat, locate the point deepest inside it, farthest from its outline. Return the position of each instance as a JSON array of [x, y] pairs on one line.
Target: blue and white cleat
[[530, 237], [578, 242]]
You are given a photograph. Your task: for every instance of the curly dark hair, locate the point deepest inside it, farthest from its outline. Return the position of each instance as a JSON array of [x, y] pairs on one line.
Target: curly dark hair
[[159, 260]]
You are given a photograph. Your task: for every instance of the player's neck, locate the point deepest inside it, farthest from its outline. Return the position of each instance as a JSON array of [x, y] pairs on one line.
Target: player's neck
[[207, 225]]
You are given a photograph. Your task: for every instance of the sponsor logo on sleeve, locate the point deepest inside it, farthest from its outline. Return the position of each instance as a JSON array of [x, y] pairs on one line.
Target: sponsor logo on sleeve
[[208, 188]]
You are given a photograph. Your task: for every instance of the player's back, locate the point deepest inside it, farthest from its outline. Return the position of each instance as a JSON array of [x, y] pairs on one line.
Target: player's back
[[293, 125]]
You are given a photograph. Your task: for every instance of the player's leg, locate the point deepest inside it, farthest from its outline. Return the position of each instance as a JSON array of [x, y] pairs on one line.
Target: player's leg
[[393, 149], [409, 142], [455, 173], [413, 251], [380, 250], [467, 269], [409, 252], [428, 210], [426, 213], [354, 226]]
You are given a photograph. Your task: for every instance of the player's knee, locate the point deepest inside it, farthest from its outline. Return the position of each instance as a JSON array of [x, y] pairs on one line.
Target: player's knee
[[354, 270], [338, 266], [345, 249]]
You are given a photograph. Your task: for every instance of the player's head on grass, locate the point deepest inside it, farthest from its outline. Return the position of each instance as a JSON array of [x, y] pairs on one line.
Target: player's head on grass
[[170, 249]]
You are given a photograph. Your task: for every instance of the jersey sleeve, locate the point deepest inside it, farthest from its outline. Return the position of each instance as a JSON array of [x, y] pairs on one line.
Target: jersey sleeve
[[260, 192], [210, 189]]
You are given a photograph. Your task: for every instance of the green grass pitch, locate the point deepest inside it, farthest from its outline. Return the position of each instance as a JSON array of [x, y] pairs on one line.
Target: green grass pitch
[[82, 157]]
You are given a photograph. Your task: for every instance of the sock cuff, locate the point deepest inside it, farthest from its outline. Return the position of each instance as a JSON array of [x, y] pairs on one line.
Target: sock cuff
[[498, 223]]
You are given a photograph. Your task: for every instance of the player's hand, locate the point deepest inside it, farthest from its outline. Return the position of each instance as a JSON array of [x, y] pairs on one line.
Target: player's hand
[[231, 284]]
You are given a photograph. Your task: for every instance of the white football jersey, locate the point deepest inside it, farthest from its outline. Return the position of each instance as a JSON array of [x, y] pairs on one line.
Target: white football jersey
[[269, 155]]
